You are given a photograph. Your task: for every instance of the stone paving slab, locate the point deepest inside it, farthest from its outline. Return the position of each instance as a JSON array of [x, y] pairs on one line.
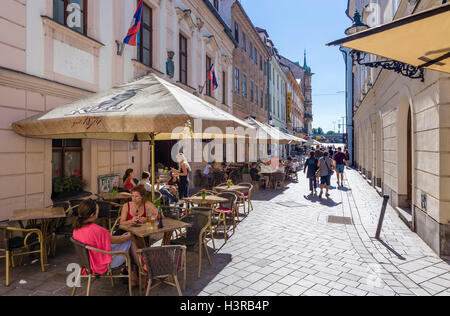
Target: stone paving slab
[[289, 251]]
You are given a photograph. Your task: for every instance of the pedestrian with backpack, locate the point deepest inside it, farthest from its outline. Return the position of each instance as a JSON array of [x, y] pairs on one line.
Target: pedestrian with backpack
[[326, 170]]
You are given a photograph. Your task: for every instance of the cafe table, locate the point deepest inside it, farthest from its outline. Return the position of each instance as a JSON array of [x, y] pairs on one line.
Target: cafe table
[[44, 215], [142, 231], [236, 188], [208, 201]]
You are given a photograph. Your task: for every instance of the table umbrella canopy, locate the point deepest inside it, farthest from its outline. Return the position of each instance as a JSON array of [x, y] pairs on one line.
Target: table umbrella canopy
[[148, 109], [312, 142], [270, 134], [421, 40], [131, 112]]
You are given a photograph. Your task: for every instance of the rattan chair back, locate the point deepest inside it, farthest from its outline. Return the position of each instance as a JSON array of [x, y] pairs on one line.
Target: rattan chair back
[[162, 261], [199, 219], [231, 197], [83, 255]]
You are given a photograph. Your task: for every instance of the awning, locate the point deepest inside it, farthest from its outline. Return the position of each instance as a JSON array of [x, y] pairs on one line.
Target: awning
[[131, 112], [421, 40]]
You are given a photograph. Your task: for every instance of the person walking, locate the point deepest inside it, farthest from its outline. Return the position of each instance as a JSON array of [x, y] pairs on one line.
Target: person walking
[[339, 159], [311, 166], [326, 166], [318, 153], [347, 157]]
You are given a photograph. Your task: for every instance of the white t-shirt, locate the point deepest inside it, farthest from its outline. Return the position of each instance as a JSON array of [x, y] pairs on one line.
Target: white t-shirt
[[266, 169], [207, 169]]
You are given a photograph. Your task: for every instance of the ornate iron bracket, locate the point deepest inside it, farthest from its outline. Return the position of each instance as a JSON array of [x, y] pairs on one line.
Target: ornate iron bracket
[[397, 66]]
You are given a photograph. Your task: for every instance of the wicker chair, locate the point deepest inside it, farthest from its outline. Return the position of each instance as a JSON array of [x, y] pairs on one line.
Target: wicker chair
[[200, 220], [247, 196], [9, 245], [63, 226], [82, 251], [162, 263], [225, 209]]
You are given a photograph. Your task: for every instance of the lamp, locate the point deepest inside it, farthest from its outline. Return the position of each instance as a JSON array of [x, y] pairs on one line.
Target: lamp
[[357, 26]]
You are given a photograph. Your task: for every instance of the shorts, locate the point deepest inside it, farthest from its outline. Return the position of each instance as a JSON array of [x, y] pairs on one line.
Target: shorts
[[326, 180], [340, 168], [119, 260]]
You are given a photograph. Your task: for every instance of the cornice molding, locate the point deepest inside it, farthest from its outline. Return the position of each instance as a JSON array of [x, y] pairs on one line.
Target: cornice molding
[[19, 80]]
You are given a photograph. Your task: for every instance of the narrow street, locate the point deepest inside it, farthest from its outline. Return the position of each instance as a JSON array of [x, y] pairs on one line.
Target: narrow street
[[287, 246]]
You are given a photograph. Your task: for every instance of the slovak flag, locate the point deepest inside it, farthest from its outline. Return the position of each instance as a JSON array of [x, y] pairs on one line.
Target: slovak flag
[[212, 77], [131, 37]]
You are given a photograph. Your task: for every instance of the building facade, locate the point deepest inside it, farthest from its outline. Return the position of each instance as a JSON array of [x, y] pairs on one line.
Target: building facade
[[53, 52], [401, 130], [249, 65], [297, 75]]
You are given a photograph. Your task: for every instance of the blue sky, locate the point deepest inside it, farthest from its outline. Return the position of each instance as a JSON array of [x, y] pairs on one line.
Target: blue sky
[[296, 25]]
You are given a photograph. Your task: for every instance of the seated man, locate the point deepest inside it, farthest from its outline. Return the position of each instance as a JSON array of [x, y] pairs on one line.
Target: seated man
[[266, 168], [146, 181], [208, 172]]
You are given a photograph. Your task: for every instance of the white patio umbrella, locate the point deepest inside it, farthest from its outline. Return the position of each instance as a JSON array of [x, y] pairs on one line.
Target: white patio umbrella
[[148, 109]]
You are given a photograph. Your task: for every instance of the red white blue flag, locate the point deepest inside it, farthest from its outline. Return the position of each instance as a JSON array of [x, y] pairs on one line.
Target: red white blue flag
[[131, 37], [212, 77]]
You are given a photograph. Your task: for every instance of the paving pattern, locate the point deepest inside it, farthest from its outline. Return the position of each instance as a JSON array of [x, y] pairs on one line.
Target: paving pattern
[[292, 244]]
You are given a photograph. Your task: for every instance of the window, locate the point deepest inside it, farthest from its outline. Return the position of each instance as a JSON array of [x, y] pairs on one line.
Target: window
[[71, 13], [262, 98], [216, 4], [224, 90], [236, 81], [251, 91], [208, 82], [183, 60], [256, 56], [256, 94], [260, 63], [244, 42], [236, 32], [244, 86], [251, 50], [145, 38], [66, 158]]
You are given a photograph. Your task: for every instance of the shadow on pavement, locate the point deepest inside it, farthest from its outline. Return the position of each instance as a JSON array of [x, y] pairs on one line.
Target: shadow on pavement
[[399, 256], [324, 201]]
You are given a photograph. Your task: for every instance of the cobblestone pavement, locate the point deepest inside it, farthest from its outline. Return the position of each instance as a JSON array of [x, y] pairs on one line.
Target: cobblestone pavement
[[288, 246]]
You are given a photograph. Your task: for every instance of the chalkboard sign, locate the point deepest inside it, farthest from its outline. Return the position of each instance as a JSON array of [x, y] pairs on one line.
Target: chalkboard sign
[[106, 183]]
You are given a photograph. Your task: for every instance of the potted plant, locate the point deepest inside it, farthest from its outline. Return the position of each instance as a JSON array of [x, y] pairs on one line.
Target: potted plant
[[204, 194], [68, 186], [160, 167]]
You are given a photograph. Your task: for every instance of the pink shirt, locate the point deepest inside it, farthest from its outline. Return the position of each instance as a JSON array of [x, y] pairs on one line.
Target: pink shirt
[[97, 237]]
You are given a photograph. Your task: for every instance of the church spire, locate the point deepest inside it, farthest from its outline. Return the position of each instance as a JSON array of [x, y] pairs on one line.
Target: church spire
[[305, 66]]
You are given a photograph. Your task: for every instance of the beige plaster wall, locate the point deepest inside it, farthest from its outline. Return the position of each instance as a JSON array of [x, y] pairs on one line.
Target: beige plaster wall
[[13, 34], [430, 103]]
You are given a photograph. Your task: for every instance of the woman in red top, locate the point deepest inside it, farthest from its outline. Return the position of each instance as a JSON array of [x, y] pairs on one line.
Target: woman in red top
[[128, 180], [135, 212], [88, 233]]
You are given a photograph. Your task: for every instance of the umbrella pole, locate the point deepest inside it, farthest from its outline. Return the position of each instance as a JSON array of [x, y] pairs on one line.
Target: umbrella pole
[[152, 142]]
